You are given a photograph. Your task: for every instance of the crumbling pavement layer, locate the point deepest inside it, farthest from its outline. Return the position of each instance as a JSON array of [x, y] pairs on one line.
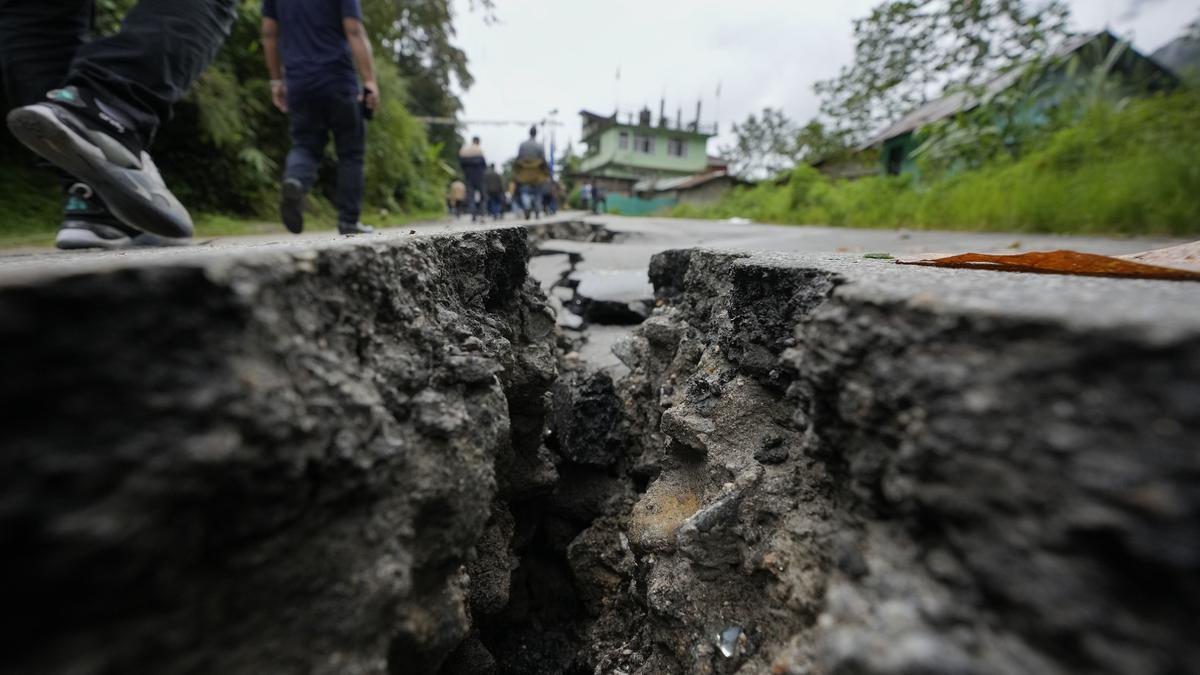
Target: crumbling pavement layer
[[859, 468], [382, 456], [288, 460]]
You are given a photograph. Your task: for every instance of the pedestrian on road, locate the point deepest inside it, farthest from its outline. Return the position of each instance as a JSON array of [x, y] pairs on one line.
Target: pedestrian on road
[[493, 185], [599, 199], [91, 108], [585, 196], [458, 197], [550, 197], [313, 49], [531, 171], [474, 166]]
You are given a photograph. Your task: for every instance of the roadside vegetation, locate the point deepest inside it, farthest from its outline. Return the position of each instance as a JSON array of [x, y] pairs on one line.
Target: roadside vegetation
[[1075, 144], [223, 152], [1127, 168]]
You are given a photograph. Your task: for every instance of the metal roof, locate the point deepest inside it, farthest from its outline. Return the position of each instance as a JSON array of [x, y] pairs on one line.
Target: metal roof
[[963, 101], [677, 183]]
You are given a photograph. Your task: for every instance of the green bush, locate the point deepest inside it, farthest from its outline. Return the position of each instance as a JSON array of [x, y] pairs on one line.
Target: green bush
[[1121, 169], [224, 150]]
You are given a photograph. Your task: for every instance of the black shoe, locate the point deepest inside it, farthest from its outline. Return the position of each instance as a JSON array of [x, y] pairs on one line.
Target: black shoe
[[97, 144], [354, 228], [291, 207], [87, 223], [76, 235]]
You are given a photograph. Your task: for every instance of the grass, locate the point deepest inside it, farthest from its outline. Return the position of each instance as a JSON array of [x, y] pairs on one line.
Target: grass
[[1132, 170], [30, 211], [30, 207]]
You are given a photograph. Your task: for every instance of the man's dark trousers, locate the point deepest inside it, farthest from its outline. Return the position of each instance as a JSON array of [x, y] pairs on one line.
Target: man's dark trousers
[[313, 117], [163, 46], [477, 197]]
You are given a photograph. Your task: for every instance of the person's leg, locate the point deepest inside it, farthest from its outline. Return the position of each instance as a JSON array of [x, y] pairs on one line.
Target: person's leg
[[38, 40], [477, 200], [118, 90], [309, 133], [162, 47], [525, 198], [350, 141], [308, 129]]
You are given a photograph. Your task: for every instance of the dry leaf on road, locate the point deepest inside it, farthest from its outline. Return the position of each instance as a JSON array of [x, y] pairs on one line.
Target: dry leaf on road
[[1179, 263]]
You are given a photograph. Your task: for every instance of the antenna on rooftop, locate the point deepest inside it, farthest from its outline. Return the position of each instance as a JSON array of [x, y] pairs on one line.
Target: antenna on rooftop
[[617, 92], [718, 120]]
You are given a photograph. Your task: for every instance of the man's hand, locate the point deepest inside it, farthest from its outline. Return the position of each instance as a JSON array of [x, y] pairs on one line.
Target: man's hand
[[279, 95], [364, 61], [270, 39], [370, 95]]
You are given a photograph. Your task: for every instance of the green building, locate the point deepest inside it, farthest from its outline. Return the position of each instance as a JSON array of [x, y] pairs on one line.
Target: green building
[[1072, 67], [620, 154]]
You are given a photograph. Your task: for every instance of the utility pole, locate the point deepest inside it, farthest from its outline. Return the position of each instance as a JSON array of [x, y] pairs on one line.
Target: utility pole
[[552, 120]]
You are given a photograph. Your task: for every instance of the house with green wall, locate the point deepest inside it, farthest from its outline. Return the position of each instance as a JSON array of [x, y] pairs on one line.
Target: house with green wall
[[620, 154], [1041, 86]]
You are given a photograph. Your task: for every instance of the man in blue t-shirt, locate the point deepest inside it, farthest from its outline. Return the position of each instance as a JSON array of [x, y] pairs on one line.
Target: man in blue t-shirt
[[313, 48]]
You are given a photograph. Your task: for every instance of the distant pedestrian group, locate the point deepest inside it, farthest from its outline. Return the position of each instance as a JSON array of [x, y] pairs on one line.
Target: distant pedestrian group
[[481, 191]]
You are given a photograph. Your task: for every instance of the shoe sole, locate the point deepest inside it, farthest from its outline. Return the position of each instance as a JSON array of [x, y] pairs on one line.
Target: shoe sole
[[292, 207], [44, 133], [79, 239], [149, 240]]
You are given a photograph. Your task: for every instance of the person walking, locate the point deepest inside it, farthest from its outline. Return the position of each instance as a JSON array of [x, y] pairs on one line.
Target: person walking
[[493, 185], [531, 171], [316, 51], [599, 199], [474, 166], [458, 197], [585, 196], [91, 108], [550, 197]]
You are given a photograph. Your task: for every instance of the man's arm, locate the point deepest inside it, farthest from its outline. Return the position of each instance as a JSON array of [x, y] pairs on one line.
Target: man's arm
[[270, 40], [364, 60]]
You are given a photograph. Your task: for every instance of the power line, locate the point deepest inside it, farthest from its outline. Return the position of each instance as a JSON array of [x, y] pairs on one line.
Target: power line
[[451, 121]]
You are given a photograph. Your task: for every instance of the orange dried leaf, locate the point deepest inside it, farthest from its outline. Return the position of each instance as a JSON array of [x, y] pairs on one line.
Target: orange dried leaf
[[1057, 262]]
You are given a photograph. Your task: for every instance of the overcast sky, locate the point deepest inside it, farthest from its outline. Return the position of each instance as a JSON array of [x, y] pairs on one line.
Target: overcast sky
[[565, 54]]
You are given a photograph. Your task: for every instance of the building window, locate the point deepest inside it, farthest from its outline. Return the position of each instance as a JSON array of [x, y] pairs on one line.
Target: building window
[[644, 144], [677, 147], [623, 143]]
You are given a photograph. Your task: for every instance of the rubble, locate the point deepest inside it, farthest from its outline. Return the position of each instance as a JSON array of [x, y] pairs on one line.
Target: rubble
[[390, 457], [283, 462], [845, 480]]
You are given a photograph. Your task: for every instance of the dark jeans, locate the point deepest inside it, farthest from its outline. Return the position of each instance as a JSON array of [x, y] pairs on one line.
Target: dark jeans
[[531, 198], [476, 198], [313, 117], [162, 48]]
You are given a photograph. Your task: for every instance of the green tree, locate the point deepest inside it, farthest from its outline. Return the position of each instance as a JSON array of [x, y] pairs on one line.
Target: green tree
[[765, 145], [419, 37], [225, 147], [770, 143], [908, 52], [817, 141]]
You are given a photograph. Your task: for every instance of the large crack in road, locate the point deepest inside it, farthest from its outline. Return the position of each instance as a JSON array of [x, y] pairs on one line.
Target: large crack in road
[[624, 454]]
